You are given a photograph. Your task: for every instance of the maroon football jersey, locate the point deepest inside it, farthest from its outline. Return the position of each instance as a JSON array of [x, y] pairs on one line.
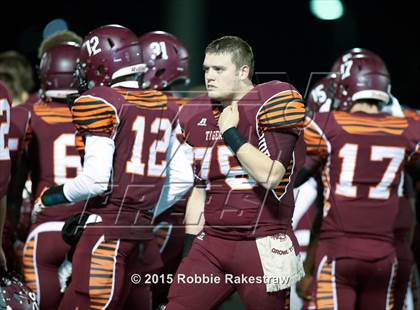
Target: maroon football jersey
[[19, 126], [52, 153], [32, 99], [237, 207], [364, 155], [19, 122], [405, 219], [179, 207], [5, 104], [403, 228], [141, 124]]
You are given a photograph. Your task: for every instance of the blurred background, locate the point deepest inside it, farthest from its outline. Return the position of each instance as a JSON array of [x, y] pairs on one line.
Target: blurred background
[[293, 41]]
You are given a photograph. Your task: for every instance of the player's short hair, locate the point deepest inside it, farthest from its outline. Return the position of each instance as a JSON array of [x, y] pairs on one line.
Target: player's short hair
[[19, 67], [371, 102], [240, 50], [58, 38]]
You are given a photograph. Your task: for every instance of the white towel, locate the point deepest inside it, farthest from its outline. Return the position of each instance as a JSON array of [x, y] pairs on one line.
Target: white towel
[[282, 267], [64, 273]]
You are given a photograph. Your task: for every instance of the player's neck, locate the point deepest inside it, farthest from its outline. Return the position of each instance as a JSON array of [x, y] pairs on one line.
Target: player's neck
[[239, 94], [365, 107]]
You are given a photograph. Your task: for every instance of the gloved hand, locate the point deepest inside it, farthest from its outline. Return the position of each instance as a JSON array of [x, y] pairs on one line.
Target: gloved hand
[[64, 274], [38, 207]]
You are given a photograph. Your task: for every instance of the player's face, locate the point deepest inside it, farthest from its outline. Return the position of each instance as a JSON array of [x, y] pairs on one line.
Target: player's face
[[221, 76]]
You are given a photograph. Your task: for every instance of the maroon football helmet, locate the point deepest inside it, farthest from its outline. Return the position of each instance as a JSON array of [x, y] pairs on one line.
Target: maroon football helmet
[[321, 95], [109, 54], [166, 59], [14, 294], [336, 68], [56, 70], [362, 75]]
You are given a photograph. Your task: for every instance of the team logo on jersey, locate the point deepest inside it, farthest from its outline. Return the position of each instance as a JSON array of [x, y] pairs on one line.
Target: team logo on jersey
[[203, 122], [213, 135]]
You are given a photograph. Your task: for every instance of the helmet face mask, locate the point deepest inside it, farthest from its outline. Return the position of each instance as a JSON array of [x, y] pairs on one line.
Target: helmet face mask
[[166, 59], [56, 70], [109, 54]]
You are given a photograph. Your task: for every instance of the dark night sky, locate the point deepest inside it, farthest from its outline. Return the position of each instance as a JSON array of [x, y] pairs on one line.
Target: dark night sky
[[284, 35]]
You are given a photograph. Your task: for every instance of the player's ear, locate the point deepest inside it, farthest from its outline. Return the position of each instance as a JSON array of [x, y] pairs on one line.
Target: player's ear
[[244, 72]]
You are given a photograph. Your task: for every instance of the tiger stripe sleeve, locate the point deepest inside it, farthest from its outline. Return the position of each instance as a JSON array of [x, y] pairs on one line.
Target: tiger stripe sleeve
[[315, 139], [283, 110], [94, 116]]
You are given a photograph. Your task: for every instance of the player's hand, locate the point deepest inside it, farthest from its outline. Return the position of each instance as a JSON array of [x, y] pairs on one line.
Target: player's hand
[[38, 207], [303, 287], [3, 263], [229, 117]]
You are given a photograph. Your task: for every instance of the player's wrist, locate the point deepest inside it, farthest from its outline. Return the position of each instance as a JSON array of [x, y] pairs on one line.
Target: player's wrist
[[223, 129], [53, 196], [233, 139]]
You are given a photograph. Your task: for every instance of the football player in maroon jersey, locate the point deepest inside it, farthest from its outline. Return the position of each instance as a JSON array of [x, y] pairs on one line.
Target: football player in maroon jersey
[[5, 104], [166, 59], [362, 154], [19, 124], [247, 147], [20, 76], [53, 160], [127, 133], [16, 73]]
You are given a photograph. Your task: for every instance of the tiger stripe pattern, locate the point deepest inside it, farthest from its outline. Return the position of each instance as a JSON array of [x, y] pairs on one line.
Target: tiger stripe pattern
[[325, 287], [387, 125], [283, 110], [52, 115], [94, 115], [29, 271], [102, 273]]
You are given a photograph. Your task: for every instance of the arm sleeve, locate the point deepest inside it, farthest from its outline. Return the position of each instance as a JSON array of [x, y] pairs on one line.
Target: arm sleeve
[[305, 195], [280, 121], [93, 181], [180, 177]]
